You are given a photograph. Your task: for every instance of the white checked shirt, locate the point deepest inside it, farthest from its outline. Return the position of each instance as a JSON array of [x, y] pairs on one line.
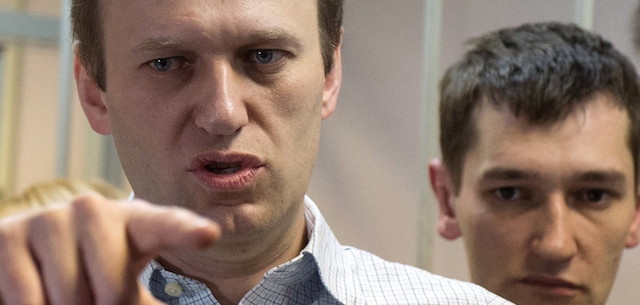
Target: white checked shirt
[[325, 272]]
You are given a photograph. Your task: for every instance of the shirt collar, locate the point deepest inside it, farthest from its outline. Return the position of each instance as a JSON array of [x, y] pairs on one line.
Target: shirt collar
[[333, 265]]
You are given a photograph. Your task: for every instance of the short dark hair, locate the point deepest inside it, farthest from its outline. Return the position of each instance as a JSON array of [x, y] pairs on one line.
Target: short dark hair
[[86, 17], [541, 72]]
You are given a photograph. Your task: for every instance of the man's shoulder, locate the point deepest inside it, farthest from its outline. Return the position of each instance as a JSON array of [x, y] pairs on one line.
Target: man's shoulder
[[400, 283]]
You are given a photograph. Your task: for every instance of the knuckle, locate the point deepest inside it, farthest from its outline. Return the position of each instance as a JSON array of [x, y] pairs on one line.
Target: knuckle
[[52, 222], [88, 207], [6, 238], [89, 201], [12, 230]]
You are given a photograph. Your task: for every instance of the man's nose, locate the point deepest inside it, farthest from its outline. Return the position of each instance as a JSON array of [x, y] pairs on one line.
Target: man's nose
[[222, 110], [553, 239]]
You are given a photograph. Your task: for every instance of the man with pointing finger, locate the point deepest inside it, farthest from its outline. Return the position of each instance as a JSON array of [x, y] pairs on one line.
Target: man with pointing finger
[[215, 108]]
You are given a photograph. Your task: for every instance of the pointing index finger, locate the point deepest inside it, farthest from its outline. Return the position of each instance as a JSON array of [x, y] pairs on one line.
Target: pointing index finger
[[154, 228]]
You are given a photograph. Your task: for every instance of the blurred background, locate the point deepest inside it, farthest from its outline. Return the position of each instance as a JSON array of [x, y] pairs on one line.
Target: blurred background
[[370, 179]]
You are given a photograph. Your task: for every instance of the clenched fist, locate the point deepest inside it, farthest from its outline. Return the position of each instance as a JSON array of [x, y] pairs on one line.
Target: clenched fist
[[92, 250]]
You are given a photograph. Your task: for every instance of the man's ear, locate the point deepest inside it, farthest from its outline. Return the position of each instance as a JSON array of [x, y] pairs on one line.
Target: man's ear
[[91, 97], [332, 82], [448, 225], [633, 239]]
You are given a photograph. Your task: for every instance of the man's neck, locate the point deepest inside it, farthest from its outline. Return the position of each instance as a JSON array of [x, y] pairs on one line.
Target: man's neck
[[231, 270]]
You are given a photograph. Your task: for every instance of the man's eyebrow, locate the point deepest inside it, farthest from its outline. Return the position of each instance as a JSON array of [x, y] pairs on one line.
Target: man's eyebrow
[[279, 36], [609, 176], [501, 173], [274, 36], [154, 44]]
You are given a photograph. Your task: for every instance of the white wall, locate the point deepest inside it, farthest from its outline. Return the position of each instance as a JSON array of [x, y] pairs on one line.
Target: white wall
[[368, 179]]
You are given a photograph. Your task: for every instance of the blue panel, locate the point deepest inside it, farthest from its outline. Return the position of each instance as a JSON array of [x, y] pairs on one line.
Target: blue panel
[[28, 26], [1, 82]]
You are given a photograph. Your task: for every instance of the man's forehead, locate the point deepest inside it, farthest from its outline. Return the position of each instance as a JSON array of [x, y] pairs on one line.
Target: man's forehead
[[501, 136], [210, 7], [491, 116], [223, 19]]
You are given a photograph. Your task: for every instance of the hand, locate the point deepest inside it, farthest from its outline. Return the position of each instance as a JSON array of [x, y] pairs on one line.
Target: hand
[[92, 250]]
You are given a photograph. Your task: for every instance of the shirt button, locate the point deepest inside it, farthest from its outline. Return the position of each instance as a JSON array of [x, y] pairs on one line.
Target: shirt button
[[173, 289]]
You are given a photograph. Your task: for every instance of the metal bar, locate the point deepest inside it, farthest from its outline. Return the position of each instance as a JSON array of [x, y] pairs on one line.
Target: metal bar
[[2, 110], [12, 69], [64, 99], [584, 13], [13, 55], [429, 128], [4, 187]]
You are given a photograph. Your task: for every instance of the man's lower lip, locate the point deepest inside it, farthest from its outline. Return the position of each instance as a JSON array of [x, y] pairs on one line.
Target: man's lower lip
[[552, 289], [227, 182]]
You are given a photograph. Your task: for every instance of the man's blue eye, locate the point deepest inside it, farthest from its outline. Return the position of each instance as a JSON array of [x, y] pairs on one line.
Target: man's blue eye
[[264, 56], [507, 193], [595, 195], [162, 64]]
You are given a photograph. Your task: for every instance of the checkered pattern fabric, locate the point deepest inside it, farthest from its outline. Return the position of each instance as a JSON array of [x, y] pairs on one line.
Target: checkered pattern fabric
[[326, 272]]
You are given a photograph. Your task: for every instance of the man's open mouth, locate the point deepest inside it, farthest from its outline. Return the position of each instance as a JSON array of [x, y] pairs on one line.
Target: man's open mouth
[[222, 168], [226, 171]]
